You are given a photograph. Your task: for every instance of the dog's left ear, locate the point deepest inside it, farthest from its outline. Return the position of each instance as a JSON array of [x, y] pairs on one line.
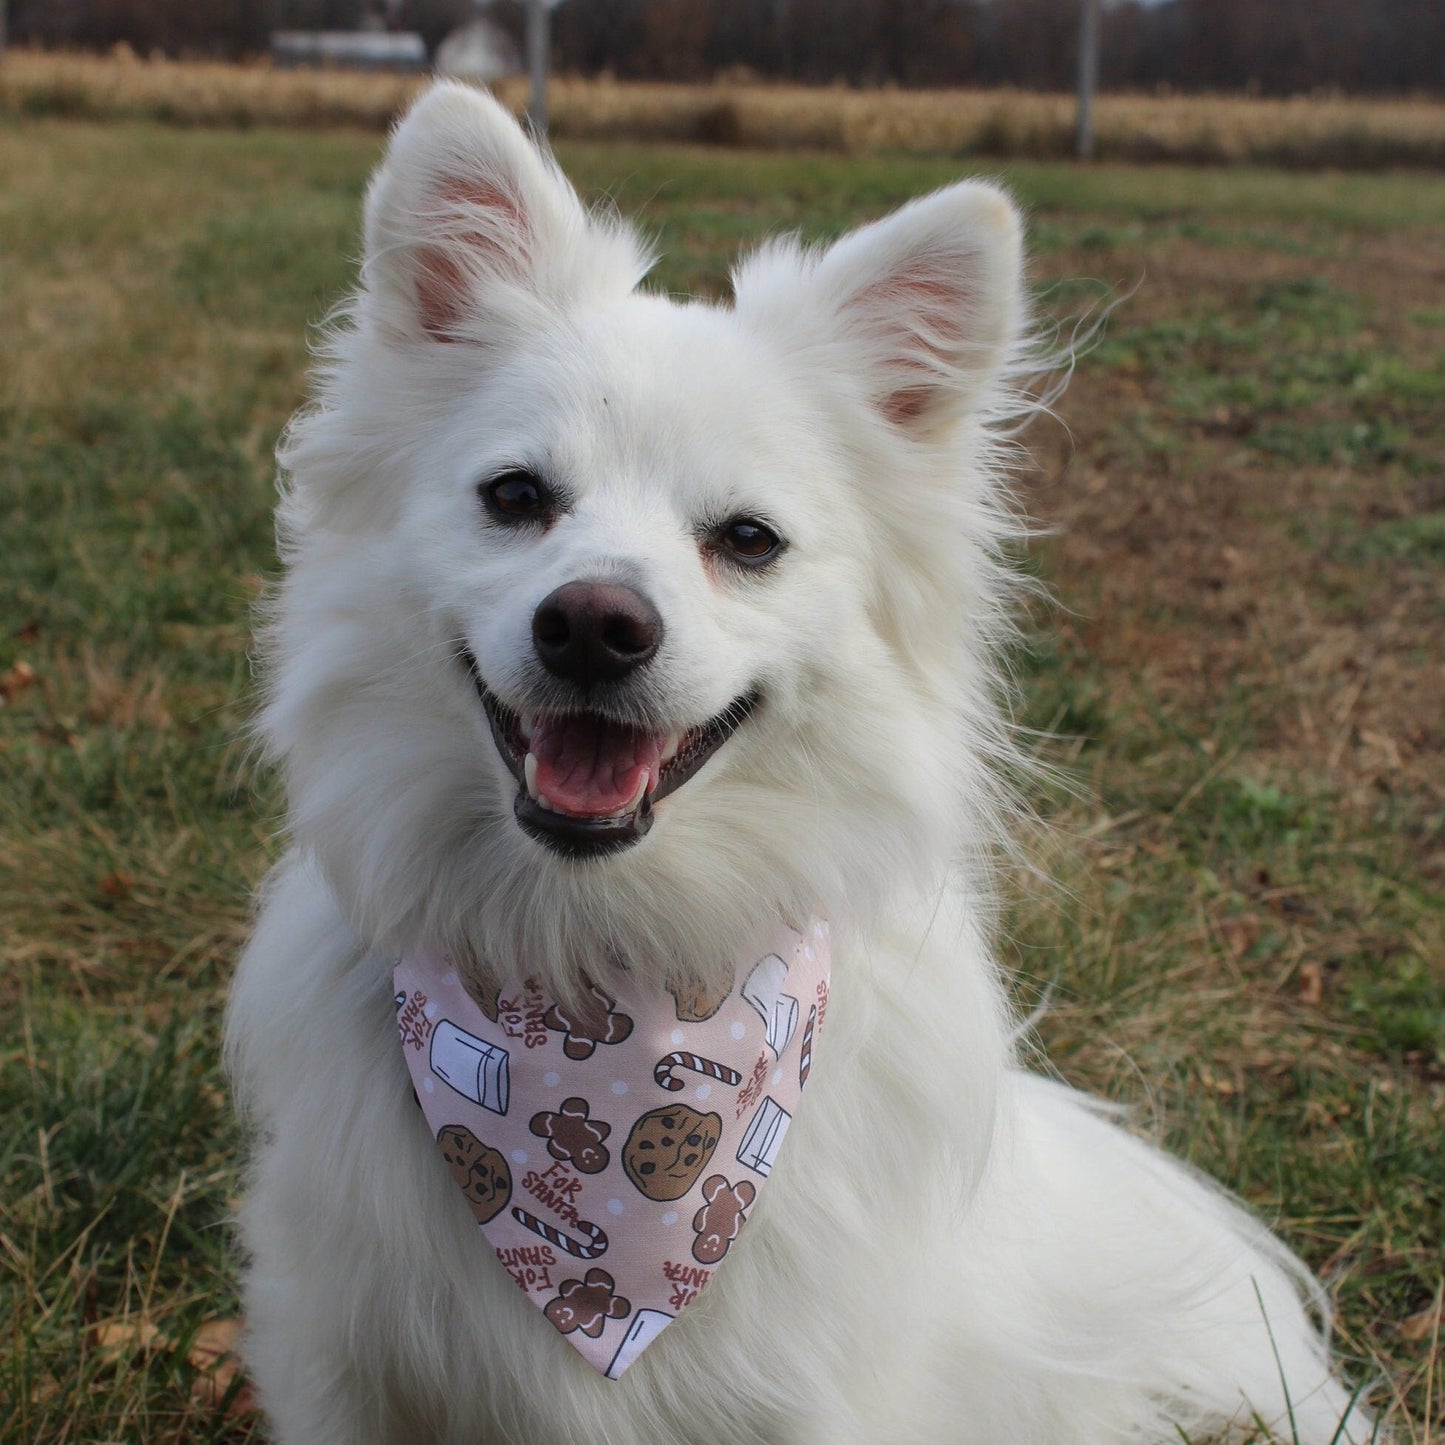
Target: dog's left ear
[[470, 226], [921, 307]]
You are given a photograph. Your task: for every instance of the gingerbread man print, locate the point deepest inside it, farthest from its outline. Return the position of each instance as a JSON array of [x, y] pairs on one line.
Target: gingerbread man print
[[573, 1137], [587, 1304], [591, 1022], [721, 1218]]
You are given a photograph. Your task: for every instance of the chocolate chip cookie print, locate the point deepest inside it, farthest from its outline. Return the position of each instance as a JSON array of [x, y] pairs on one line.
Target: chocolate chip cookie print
[[669, 1148], [613, 1145], [696, 1002], [482, 1172]]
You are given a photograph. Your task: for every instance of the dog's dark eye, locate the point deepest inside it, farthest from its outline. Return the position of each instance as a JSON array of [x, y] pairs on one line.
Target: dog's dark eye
[[749, 541], [516, 496]]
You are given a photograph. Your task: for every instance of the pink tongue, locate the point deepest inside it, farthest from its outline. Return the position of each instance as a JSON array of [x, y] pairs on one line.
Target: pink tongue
[[589, 766]]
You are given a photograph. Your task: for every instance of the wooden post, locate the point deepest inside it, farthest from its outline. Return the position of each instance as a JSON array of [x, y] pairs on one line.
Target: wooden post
[[539, 45], [1088, 78]]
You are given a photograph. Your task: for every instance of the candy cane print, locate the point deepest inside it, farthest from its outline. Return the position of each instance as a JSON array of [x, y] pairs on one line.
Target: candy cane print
[[597, 1238], [707, 1067], [805, 1060]]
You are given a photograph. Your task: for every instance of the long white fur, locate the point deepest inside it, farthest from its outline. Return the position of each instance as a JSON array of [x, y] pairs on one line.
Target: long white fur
[[1090, 1290]]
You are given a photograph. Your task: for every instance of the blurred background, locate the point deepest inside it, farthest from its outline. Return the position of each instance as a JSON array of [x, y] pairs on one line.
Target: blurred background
[[1271, 47], [750, 67], [1237, 207]]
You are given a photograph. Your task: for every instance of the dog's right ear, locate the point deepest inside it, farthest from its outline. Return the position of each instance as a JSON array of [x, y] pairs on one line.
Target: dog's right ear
[[469, 226]]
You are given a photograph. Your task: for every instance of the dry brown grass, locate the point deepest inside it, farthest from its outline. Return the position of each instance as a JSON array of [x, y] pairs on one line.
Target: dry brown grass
[[122, 85], [1304, 131]]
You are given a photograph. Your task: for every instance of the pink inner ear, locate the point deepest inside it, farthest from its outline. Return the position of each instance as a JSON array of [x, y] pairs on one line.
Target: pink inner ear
[[478, 216], [923, 317]]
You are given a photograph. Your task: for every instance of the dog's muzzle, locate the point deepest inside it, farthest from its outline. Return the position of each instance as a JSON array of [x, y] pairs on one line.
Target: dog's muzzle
[[587, 783]]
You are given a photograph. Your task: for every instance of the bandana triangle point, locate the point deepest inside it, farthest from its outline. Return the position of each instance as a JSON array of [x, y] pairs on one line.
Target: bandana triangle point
[[611, 1149]]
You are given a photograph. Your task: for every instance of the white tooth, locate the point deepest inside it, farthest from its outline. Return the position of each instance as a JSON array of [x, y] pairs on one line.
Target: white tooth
[[529, 771], [527, 721], [544, 801], [636, 802], [670, 747]]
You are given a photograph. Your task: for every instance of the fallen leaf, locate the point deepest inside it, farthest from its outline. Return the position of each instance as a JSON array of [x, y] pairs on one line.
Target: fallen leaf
[[1239, 935], [1383, 746], [1422, 1326], [1215, 1085], [15, 680], [118, 1341], [215, 1341], [1311, 984], [214, 1355]]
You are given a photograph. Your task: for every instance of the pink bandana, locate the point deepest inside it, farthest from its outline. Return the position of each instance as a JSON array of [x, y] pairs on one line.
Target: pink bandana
[[611, 1152]]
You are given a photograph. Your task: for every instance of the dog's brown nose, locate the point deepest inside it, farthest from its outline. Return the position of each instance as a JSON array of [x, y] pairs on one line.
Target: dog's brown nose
[[593, 632]]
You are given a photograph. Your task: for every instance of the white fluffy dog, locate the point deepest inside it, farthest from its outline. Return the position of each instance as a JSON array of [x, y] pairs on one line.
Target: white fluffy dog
[[615, 630]]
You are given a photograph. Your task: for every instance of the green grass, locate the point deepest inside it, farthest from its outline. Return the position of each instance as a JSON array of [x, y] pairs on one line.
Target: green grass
[[1247, 544]]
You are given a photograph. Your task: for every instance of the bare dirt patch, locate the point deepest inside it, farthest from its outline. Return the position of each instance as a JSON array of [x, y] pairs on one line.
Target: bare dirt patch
[[1216, 563]]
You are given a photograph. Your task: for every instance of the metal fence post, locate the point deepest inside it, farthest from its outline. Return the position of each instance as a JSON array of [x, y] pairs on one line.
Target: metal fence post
[[539, 44], [1088, 78]]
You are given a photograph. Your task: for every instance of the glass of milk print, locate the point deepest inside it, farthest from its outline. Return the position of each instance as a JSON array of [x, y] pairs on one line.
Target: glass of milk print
[[778, 1010], [477, 1070]]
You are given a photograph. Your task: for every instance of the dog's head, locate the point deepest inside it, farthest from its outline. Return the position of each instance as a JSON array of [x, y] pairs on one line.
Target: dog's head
[[614, 623]]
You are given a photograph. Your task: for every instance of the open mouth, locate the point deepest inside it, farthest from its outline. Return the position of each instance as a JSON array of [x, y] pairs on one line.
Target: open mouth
[[587, 783]]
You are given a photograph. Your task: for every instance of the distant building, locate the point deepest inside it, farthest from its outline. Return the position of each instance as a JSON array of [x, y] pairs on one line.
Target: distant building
[[479, 50], [349, 49]]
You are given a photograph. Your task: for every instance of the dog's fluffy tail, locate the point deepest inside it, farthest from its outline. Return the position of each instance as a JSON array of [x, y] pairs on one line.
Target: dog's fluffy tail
[[1148, 1273]]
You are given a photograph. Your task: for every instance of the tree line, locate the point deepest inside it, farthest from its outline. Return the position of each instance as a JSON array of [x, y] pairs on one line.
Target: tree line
[[1274, 47]]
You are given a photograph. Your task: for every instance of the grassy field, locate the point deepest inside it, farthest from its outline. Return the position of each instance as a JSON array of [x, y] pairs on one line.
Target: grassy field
[[1301, 131], [1247, 517]]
